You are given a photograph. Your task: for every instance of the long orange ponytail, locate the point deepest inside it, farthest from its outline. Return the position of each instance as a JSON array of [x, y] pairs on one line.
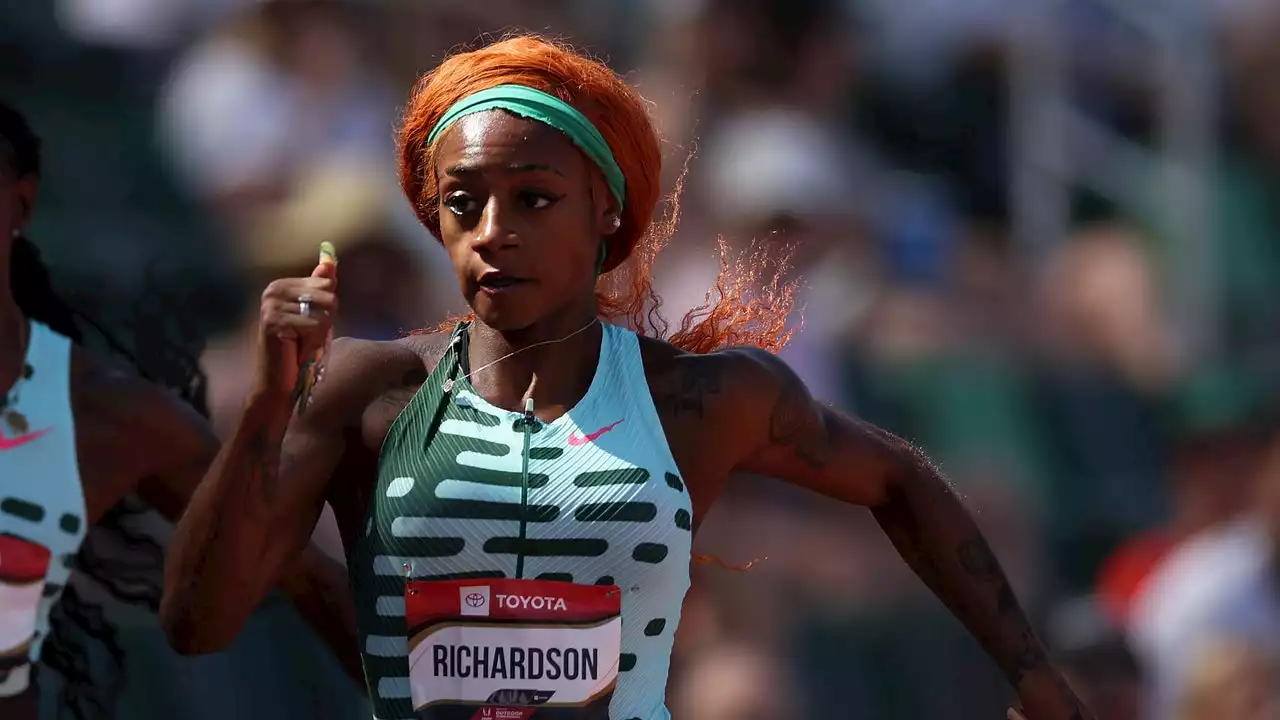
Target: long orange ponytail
[[750, 302]]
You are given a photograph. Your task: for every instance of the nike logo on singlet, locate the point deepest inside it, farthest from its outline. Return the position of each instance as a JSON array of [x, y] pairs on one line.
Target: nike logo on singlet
[[576, 440], [17, 442]]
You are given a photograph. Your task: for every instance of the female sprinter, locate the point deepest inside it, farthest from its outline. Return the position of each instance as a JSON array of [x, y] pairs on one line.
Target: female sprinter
[[76, 436], [517, 496]]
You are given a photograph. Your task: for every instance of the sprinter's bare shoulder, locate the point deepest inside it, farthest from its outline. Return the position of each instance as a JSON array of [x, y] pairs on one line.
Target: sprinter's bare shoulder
[[365, 387]]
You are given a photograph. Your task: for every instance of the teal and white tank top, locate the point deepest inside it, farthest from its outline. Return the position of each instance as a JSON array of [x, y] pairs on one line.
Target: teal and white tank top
[[467, 491], [42, 506]]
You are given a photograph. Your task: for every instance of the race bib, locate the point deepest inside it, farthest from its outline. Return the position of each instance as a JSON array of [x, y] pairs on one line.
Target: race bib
[[512, 649], [22, 570]]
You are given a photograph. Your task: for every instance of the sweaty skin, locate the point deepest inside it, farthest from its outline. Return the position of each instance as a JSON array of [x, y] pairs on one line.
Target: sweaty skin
[[512, 201]]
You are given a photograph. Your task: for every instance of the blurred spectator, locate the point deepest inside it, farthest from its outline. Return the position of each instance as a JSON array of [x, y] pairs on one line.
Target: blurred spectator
[[1221, 441], [252, 107], [1107, 356], [1104, 307], [1219, 586]]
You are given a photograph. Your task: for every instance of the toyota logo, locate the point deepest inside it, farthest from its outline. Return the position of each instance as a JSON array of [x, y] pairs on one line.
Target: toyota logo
[[474, 599]]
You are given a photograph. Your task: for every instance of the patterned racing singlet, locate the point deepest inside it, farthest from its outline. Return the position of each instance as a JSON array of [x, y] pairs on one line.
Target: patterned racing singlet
[[470, 492], [42, 506]]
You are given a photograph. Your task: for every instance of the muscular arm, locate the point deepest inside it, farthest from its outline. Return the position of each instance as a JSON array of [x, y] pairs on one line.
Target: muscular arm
[[315, 583], [250, 519], [790, 436]]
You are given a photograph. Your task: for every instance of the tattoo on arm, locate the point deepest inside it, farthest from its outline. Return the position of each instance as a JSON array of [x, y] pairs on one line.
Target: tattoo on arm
[[980, 564], [930, 528], [797, 423], [400, 392], [699, 379], [906, 537], [963, 572], [264, 462], [429, 354], [210, 540]]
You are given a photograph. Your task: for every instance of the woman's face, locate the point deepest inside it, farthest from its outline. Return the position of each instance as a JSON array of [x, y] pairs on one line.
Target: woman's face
[[522, 216]]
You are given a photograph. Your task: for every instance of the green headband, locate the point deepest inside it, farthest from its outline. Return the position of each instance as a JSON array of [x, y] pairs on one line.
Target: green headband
[[548, 109]]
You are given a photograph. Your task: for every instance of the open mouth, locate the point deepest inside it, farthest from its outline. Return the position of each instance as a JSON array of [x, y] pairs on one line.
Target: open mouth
[[494, 281]]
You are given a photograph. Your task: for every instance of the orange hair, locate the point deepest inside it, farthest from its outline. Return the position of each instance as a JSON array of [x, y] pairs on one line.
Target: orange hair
[[739, 310]]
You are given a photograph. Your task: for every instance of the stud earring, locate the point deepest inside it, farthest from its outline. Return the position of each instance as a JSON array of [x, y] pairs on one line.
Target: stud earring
[[615, 222]]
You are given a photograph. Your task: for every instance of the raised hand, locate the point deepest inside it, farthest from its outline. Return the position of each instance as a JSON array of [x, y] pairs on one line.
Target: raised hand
[[295, 321]]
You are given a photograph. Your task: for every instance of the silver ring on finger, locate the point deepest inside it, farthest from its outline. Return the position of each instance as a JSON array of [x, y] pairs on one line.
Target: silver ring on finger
[[304, 306]]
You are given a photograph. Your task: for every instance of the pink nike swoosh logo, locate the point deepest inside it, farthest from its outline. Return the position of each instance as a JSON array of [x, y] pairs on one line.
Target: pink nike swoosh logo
[[17, 442], [576, 440]]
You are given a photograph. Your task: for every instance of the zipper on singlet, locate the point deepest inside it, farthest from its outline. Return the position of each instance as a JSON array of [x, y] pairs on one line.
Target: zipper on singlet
[[526, 423]]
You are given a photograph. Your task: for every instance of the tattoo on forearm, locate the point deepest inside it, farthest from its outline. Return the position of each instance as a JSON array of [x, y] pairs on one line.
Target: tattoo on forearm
[[906, 536], [263, 461], [980, 563], [964, 575], [797, 424], [1030, 657], [205, 546]]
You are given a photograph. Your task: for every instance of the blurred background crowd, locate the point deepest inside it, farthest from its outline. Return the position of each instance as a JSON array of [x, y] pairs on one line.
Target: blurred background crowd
[[1040, 238]]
